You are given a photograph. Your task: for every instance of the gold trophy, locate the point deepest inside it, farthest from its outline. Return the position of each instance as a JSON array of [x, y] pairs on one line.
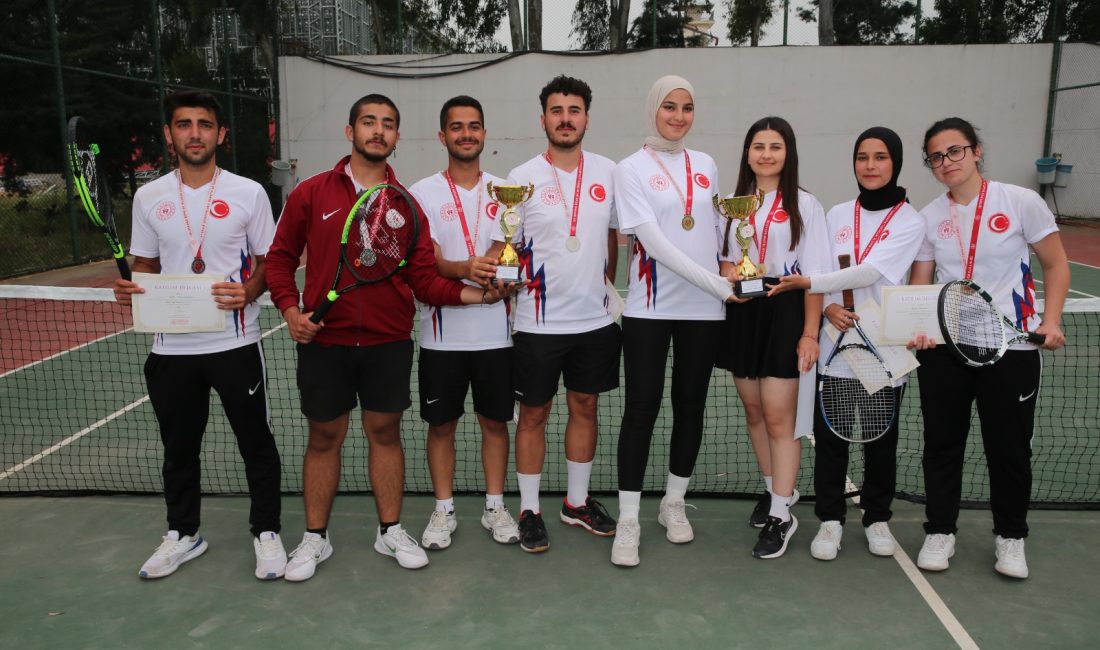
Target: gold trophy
[[739, 209], [510, 196]]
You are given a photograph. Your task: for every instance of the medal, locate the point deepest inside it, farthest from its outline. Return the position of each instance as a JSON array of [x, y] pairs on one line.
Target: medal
[[688, 222], [572, 244], [198, 266]]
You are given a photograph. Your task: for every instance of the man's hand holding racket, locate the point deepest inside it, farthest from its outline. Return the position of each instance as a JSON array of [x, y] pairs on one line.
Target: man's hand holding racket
[[302, 328]]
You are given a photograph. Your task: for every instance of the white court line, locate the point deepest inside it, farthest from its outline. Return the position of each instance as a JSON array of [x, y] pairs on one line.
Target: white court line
[[935, 603], [85, 431], [63, 352], [1072, 290], [1085, 265]]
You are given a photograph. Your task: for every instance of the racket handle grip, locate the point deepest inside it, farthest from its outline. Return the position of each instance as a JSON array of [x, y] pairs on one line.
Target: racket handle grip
[[322, 309], [123, 268], [1040, 339]]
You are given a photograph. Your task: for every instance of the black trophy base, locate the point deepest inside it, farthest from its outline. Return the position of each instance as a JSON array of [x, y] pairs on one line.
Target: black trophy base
[[754, 287]]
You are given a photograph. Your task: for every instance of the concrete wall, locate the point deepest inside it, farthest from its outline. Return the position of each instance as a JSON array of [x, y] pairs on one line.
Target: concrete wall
[[829, 94]]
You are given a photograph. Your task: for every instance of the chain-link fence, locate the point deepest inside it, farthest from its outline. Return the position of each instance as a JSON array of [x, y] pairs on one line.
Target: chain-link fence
[[1073, 130]]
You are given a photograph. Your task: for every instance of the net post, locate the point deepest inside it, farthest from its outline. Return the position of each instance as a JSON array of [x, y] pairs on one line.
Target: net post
[[55, 46]]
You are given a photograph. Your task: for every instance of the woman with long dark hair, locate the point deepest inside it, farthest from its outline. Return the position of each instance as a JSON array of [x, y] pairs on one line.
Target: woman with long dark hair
[[771, 342]]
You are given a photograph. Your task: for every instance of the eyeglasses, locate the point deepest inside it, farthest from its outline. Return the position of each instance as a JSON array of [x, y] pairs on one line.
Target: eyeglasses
[[954, 154]]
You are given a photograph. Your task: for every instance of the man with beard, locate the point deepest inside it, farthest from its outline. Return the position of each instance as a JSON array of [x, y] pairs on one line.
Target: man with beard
[[470, 345], [362, 351], [562, 323], [205, 220]]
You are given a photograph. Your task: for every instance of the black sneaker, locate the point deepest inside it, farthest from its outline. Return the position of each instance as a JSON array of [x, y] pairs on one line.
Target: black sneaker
[[592, 516], [759, 515], [532, 532], [773, 539]]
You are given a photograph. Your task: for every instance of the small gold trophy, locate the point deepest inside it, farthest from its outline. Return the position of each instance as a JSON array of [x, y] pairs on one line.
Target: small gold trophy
[[739, 209], [510, 196]]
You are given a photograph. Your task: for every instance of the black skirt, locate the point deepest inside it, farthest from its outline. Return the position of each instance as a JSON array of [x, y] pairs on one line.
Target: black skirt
[[760, 338]]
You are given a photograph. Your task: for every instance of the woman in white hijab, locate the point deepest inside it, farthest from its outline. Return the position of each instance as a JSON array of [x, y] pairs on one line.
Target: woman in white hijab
[[663, 197]]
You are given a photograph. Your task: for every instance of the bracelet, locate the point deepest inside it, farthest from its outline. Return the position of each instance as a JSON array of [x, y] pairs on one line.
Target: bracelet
[[484, 296]]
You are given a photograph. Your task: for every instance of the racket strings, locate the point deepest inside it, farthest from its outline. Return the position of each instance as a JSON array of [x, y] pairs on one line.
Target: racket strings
[[971, 324], [380, 239], [859, 408]]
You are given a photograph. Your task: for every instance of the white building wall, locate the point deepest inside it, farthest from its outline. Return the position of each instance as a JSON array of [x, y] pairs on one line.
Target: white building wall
[[829, 94]]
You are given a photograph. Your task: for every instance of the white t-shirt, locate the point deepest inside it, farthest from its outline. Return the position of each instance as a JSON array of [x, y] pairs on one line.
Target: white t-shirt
[[644, 193], [891, 256], [467, 327], [810, 256], [565, 289], [1013, 218], [239, 225]]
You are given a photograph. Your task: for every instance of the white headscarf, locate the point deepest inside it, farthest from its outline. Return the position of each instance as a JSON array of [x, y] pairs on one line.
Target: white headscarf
[[657, 94]]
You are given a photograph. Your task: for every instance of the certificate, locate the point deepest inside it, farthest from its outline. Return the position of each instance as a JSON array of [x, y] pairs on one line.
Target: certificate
[[176, 304], [908, 310], [899, 360], [615, 303]]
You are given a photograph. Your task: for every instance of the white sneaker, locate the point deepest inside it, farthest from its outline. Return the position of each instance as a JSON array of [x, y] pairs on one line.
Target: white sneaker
[[397, 544], [313, 550], [628, 536], [827, 540], [935, 553], [437, 534], [879, 539], [270, 556], [172, 552], [673, 517], [500, 523], [1010, 558]]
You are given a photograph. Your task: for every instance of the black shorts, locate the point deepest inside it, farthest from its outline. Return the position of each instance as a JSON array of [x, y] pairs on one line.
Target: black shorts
[[331, 378], [589, 362], [445, 376], [761, 337]]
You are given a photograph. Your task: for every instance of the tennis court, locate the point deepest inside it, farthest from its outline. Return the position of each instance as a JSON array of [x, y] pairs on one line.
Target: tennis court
[[76, 421]]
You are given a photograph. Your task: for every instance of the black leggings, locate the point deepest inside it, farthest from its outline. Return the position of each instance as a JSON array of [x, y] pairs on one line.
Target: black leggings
[[645, 355]]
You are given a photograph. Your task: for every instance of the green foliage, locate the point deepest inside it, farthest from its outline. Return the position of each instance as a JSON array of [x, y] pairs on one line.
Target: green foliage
[[669, 28], [867, 22], [591, 25], [1011, 21], [437, 25], [745, 20]]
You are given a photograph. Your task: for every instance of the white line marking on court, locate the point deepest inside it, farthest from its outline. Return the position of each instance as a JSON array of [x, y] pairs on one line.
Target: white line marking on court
[[1085, 265], [71, 439], [85, 431], [1072, 290], [63, 352], [935, 603]]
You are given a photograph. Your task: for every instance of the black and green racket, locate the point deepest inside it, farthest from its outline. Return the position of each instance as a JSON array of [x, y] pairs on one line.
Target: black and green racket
[[91, 187], [379, 235]]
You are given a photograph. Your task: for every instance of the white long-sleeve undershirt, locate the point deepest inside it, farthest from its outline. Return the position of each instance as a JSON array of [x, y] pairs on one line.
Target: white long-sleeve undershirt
[[854, 277], [664, 251]]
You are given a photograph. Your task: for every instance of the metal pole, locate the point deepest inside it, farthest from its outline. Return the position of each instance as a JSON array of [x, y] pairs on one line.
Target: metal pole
[[158, 68], [400, 49], [56, 47], [526, 28], [229, 87], [1052, 98], [275, 108], [916, 24], [786, 12]]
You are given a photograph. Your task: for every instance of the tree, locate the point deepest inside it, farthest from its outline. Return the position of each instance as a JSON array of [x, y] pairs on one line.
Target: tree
[[591, 25], [669, 29], [1008, 21], [746, 18], [825, 33], [533, 10], [437, 26], [865, 22], [620, 23]]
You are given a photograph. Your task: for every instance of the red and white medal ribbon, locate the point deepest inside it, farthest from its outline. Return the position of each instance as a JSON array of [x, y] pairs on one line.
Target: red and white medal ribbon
[[198, 265], [878, 232], [688, 222], [571, 243], [470, 243], [762, 242], [968, 258]]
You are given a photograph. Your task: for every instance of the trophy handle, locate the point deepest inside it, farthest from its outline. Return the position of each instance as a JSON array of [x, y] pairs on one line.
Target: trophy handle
[[726, 238], [529, 191], [489, 188], [759, 198]]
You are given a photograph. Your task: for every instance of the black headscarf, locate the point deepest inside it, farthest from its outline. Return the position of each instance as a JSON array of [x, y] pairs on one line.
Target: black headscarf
[[891, 193]]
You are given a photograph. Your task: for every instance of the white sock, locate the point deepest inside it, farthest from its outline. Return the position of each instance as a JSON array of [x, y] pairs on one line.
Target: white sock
[[445, 505], [578, 474], [630, 503], [781, 507], [529, 492], [768, 483], [676, 487], [494, 501]]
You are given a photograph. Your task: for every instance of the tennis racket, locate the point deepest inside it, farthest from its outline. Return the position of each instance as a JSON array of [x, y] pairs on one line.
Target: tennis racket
[[861, 408], [976, 331], [91, 187], [379, 235]]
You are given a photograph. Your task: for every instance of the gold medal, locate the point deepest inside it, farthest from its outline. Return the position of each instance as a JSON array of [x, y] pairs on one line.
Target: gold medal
[[688, 222]]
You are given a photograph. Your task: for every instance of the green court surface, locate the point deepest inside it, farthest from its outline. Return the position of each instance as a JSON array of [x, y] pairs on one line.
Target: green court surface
[[71, 581]]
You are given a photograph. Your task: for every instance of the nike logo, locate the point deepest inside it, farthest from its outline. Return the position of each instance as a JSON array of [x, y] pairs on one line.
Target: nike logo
[[252, 391], [433, 401], [1024, 398], [324, 217], [393, 549]]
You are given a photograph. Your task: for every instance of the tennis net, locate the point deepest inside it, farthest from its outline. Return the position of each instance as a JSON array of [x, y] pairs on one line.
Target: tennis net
[[75, 418]]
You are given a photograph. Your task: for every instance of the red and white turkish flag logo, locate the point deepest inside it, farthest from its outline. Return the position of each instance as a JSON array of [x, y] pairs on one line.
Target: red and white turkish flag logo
[[702, 181], [492, 209], [999, 222], [219, 209], [597, 192]]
